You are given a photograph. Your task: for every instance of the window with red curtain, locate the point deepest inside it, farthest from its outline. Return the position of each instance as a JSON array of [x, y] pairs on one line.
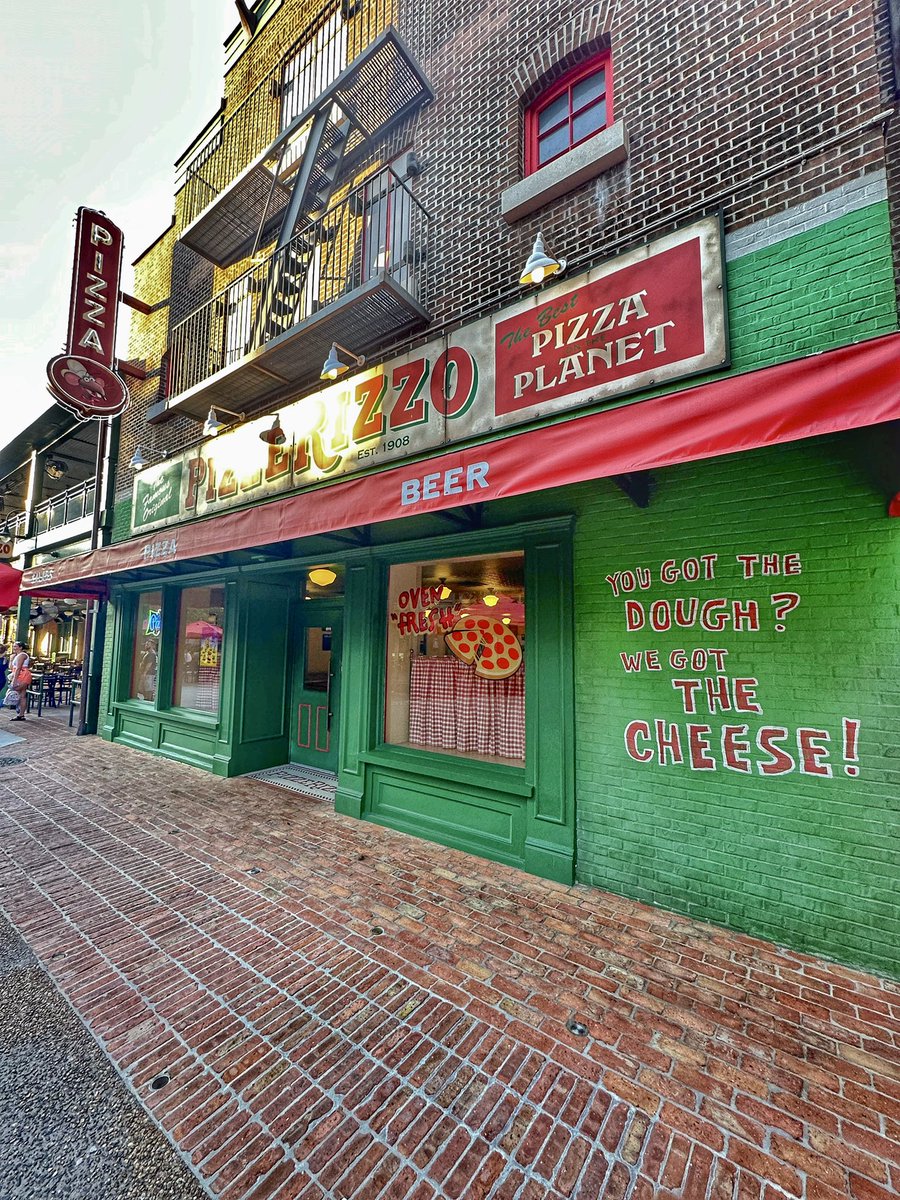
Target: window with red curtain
[[568, 112]]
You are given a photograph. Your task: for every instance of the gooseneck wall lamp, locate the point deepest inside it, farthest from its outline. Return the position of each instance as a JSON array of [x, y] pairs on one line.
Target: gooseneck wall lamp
[[274, 436], [540, 265], [213, 425], [334, 366], [138, 461]]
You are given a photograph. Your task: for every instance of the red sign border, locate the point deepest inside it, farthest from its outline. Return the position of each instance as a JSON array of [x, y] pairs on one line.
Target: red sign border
[[84, 410], [83, 218]]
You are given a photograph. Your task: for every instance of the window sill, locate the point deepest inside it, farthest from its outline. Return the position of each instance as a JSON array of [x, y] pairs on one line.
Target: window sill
[[604, 150], [435, 765], [180, 716]]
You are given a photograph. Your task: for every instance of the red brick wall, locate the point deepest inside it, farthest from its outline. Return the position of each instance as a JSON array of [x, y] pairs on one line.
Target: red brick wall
[[720, 110], [751, 108]]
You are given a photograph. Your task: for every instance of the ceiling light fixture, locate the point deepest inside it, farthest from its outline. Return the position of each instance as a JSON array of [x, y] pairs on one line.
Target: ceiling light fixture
[[490, 599], [322, 576], [333, 366], [56, 468], [540, 265]]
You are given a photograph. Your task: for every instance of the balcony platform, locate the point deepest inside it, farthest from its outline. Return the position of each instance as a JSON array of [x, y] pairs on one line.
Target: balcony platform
[[373, 315], [380, 87]]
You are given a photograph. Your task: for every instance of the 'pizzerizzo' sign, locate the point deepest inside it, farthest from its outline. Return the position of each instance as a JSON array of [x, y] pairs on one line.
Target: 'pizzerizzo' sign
[[645, 318], [723, 709]]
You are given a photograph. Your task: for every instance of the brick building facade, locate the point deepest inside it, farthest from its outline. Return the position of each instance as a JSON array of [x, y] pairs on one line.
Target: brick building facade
[[703, 553]]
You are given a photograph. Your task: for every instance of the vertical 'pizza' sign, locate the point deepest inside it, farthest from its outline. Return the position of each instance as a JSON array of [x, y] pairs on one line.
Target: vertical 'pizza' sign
[[84, 379]]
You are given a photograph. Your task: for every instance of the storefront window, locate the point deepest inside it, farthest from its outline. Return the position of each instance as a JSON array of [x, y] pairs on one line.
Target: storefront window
[[198, 651], [145, 656], [456, 657]]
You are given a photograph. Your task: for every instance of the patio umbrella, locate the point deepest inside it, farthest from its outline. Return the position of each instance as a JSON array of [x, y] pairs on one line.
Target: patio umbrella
[[203, 629], [10, 582]]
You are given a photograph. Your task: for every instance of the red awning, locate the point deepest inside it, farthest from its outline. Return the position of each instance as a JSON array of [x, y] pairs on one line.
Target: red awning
[[825, 393], [95, 589], [10, 583]]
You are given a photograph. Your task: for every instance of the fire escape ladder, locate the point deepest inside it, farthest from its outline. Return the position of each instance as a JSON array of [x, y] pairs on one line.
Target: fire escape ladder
[[317, 174], [289, 273]]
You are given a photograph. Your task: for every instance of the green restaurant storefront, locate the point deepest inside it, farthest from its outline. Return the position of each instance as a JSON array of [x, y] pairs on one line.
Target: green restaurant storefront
[[342, 663], [646, 646]]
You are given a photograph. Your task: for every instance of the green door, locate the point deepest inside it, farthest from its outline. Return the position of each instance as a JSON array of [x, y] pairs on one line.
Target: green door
[[317, 674]]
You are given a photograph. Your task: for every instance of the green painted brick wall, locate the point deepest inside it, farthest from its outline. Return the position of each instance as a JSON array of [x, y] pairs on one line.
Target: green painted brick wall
[[807, 860], [829, 286], [108, 650], [815, 291], [121, 529]]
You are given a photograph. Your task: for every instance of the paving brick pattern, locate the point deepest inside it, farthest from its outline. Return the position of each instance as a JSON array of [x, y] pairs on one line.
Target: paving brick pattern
[[347, 1012]]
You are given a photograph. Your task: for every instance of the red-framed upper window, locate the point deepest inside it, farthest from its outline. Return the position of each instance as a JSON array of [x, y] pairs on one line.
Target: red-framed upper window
[[568, 113]]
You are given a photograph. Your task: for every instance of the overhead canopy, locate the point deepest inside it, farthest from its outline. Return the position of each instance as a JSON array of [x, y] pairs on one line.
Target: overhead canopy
[[50, 424], [89, 590], [825, 393], [10, 582]]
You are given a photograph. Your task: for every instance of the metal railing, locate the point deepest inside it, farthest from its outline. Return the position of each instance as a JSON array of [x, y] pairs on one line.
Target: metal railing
[[15, 525], [68, 506], [377, 227], [335, 36]]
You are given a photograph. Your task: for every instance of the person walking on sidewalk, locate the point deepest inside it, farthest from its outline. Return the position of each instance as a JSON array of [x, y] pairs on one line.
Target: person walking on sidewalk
[[20, 678]]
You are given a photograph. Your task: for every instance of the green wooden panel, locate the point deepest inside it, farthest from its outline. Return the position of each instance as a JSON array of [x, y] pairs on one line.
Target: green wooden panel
[[262, 661], [136, 731], [359, 705], [188, 745], [314, 733], [466, 820], [541, 838]]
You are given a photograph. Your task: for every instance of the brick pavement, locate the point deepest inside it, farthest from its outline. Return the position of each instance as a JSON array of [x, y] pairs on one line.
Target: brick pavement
[[342, 1011]]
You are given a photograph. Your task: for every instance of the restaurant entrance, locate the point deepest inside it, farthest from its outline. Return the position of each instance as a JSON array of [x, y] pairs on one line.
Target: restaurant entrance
[[316, 688]]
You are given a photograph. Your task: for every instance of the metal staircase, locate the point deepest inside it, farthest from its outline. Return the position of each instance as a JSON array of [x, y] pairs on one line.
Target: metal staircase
[[229, 217], [289, 273], [348, 264]]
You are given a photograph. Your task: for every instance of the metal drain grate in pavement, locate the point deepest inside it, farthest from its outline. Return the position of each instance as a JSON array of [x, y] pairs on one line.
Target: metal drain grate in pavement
[[10, 762], [309, 781]]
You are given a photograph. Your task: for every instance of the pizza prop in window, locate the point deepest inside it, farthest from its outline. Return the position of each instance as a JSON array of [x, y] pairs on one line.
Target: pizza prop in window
[[488, 643]]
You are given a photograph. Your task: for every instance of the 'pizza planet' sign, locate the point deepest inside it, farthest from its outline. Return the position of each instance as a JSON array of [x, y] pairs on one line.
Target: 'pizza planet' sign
[[643, 319]]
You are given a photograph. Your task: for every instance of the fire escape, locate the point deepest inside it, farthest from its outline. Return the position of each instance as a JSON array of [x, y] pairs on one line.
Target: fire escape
[[348, 261]]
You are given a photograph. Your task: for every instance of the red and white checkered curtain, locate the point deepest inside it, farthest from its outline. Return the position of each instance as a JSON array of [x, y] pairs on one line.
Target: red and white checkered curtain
[[452, 708]]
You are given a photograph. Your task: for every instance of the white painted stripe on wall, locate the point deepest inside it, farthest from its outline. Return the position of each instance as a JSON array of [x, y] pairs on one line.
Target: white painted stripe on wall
[[857, 193]]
